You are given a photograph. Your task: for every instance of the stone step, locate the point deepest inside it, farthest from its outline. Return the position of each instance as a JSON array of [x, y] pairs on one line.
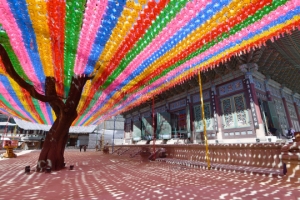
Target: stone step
[[226, 167]]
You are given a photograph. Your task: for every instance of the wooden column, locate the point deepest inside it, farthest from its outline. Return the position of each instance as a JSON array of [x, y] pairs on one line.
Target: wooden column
[[268, 92], [154, 136], [192, 118], [247, 69], [258, 125], [296, 108], [191, 113], [253, 99], [288, 117], [216, 109]]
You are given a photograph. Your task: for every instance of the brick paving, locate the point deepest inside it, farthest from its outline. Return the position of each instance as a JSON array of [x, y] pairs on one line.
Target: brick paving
[[99, 176]]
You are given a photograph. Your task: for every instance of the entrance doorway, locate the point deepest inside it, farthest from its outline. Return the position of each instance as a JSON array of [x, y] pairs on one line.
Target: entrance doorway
[[270, 118], [179, 126]]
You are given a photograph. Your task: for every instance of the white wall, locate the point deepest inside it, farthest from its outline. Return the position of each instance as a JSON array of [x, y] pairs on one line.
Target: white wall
[[83, 140]]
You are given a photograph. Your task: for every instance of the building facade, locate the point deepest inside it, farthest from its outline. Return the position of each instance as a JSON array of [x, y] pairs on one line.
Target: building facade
[[241, 106], [254, 96]]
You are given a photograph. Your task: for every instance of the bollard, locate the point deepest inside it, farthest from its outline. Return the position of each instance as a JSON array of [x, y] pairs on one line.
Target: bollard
[[71, 167], [27, 169], [48, 169]]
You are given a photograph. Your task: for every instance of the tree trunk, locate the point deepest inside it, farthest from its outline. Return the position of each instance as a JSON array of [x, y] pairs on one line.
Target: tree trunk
[[52, 154]]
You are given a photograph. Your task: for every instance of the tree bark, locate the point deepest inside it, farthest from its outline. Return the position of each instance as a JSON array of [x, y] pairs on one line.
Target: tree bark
[[52, 154]]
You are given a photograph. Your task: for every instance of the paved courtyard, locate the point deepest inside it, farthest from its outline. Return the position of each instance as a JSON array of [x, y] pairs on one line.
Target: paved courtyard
[[98, 176]]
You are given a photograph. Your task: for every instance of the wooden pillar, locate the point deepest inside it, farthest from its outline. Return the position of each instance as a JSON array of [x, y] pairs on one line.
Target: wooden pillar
[[254, 106], [247, 69], [288, 117], [296, 108], [190, 112], [154, 136], [192, 118], [253, 98], [216, 111], [268, 92]]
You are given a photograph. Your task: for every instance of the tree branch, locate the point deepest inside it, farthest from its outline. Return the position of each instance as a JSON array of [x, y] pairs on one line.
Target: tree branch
[[57, 105], [22, 83], [77, 85]]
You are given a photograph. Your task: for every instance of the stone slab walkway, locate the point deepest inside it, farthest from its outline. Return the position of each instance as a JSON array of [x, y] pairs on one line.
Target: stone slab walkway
[[98, 176]]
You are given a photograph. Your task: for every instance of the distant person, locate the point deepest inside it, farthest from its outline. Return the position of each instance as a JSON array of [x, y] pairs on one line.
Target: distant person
[[84, 148], [80, 147], [290, 133]]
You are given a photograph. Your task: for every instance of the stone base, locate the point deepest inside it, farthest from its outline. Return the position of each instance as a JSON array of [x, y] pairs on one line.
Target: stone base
[[9, 153]]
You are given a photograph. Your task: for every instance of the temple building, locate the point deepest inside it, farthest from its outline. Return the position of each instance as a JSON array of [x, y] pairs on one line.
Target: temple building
[[254, 97]]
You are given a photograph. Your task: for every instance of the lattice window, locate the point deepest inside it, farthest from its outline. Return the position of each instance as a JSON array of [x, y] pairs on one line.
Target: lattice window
[[240, 111], [281, 114], [198, 123], [227, 113], [235, 113], [292, 111]]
